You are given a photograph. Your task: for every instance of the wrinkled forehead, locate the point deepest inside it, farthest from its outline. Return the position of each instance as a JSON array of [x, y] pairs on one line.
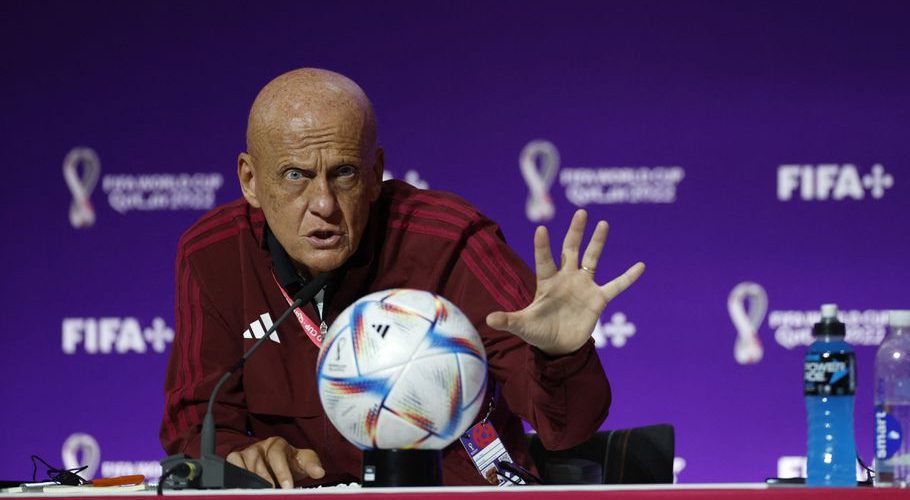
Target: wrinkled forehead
[[320, 123], [300, 119]]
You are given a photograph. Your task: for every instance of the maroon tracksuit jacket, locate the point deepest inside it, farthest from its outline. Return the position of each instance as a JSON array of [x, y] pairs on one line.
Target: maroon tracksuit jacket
[[427, 240]]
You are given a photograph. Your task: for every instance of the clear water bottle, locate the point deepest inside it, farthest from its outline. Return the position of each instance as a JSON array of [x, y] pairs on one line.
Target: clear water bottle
[[830, 383], [892, 404]]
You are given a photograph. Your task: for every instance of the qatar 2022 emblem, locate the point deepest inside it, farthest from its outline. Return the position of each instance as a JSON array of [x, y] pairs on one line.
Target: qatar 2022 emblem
[[81, 185], [747, 305], [539, 162]]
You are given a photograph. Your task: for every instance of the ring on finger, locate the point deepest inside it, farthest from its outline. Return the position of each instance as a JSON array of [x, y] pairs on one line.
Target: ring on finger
[[588, 270]]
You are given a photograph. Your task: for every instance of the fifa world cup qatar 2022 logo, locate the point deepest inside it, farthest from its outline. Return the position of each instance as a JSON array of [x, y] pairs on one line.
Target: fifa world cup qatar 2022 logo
[[747, 305], [539, 161], [81, 450], [82, 213], [129, 192]]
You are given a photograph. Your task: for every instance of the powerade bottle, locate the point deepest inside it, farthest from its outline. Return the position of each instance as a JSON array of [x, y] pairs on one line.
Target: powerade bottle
[[830, 383], [892, 404]]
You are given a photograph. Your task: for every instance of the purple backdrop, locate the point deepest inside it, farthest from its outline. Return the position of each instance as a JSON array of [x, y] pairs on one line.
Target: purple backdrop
[[726, 142]]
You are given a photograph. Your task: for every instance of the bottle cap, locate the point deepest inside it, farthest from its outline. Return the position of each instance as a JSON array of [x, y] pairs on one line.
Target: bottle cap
[[899, 318], [829, 324]]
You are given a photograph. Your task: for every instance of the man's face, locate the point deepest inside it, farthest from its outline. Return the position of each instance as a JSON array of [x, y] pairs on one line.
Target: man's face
[[314, 179]]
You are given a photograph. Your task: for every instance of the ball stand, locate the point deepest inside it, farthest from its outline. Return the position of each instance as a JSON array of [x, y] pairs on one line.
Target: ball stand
[[402, 468]]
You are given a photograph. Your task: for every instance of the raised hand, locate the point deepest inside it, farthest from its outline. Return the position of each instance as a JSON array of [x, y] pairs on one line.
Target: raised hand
[[568, 302]]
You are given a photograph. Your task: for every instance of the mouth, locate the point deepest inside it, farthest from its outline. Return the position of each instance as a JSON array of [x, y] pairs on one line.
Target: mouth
[[322, 239]]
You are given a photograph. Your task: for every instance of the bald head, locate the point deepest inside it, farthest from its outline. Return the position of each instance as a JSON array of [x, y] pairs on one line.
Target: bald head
[[312, 165], [309, 99]]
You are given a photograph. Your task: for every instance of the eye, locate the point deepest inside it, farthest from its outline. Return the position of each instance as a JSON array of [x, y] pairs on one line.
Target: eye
[[293, 174], [346, 171]]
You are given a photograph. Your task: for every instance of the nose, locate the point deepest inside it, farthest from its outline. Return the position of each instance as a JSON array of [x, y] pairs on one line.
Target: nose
[[322, 199]]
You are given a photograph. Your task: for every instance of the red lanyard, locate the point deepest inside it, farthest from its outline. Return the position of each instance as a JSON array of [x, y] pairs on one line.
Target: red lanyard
[[315, 333]]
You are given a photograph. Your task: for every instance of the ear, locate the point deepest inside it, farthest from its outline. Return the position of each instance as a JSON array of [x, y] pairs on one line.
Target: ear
[[247, 175], [378, 169]]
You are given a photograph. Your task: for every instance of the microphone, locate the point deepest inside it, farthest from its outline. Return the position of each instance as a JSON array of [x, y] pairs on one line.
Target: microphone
[[210, 471]]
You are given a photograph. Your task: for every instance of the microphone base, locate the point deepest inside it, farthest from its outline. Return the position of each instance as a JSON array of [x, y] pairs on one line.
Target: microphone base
[[401, 468], [213, 473]]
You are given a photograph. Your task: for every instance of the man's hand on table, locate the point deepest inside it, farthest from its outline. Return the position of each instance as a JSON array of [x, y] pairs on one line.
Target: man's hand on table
[[568, 302], [277, 461]]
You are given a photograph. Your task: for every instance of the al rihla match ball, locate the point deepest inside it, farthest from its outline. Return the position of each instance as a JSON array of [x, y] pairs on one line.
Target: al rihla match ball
[[402, 369]]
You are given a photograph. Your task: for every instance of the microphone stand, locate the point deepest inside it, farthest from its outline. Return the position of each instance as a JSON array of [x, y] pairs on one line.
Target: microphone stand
[[211, 471]]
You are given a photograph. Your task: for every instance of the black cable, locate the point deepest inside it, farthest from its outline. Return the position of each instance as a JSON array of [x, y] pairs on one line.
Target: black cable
[[69, 477], [185, 469], [508, 469], [870, 474], [168, 473]]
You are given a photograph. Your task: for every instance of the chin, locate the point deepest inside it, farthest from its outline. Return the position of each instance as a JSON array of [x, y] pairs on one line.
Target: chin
[[318, 266]]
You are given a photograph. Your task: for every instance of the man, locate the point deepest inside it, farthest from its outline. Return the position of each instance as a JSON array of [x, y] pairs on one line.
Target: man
[[313, 202]]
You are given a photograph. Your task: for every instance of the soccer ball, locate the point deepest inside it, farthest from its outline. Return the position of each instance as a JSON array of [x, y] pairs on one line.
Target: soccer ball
[[402, 369]]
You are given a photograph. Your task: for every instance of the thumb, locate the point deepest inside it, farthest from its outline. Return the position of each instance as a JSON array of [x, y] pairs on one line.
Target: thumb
[[500, 320]]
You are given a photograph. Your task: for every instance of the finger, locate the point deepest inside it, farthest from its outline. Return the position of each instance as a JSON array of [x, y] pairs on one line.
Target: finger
[[543, 258], [252, 461], [572, 242], [498, 320], [625, 280], [308, 463], [595, 246], [277, 457], [505, 321], [234, 458]]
